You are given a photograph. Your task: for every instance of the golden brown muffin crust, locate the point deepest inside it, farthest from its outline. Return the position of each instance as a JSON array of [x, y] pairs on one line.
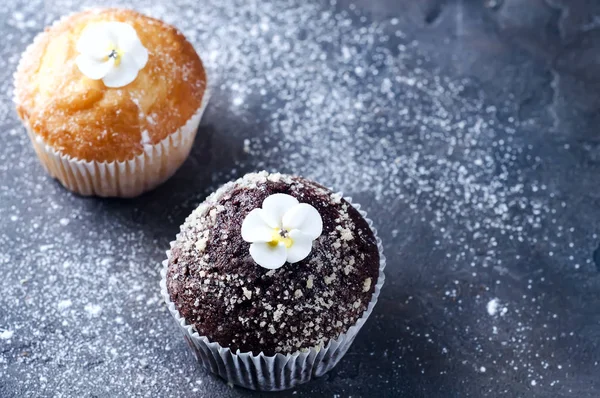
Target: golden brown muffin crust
[[85, 119]]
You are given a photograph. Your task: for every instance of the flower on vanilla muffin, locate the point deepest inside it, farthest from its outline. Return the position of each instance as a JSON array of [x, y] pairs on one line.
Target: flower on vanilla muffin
[[111, 51]]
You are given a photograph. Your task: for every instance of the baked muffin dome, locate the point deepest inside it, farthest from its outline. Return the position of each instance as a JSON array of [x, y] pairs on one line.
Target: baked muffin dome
[[83, 118], [217, 286]]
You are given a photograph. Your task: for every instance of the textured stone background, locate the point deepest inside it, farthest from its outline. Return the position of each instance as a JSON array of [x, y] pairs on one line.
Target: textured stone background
[[468, 131]]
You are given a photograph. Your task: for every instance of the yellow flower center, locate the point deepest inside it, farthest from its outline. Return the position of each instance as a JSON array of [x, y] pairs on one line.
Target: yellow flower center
[[115, 54], [281, 235]]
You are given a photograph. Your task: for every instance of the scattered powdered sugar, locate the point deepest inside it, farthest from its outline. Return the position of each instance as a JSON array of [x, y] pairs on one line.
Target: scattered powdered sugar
[[334, 95], [64, 304], [492, 307], [93, 309]]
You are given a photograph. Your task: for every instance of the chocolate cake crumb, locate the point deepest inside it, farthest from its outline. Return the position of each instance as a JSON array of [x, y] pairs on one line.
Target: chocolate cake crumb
[[216, 285]]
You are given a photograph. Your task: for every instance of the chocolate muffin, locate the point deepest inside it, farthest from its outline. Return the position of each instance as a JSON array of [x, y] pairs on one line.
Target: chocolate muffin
[[219, 288]]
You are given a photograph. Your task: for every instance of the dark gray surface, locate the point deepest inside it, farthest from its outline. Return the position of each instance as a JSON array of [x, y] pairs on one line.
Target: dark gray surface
[[469, 132]]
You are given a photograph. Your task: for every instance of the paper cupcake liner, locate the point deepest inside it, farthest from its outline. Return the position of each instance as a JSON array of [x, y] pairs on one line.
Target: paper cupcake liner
[[277, 372], [129, 178]]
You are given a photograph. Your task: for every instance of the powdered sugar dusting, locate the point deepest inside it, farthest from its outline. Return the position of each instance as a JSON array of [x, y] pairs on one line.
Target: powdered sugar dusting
[[93, 309], [64, 304], [492, 307], [495, 307]]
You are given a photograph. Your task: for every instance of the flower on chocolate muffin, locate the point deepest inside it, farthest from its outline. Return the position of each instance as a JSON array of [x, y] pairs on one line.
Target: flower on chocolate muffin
[[282, 230]]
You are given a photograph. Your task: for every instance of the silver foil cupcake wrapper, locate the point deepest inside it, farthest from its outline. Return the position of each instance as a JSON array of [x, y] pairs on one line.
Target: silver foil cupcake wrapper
[[277, 372]]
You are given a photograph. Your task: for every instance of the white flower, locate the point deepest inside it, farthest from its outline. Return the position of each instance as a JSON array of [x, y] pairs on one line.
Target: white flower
[[283, 230], [111, 51]]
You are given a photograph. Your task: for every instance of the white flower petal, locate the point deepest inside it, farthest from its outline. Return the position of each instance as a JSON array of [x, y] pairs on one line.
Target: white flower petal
[[123, 34], [301, 246], [129, 43], [268, 256], [305, 218], [138, 54], [92, 68], [275, 206], [123, 74], [94, 41], [255, 229]]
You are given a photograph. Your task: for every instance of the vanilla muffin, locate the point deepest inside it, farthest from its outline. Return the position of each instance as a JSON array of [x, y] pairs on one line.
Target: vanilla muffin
[[111, 100], [273, 269]]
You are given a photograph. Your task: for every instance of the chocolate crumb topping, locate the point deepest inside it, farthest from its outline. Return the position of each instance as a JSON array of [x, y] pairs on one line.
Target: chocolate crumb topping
[[216, 285]]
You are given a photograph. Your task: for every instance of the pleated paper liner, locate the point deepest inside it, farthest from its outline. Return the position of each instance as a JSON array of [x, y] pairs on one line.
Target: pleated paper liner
[[130, 178], [277, 372]]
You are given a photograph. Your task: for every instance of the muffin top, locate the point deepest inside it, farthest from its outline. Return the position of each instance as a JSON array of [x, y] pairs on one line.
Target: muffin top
[[217, 285], [87, 117]]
